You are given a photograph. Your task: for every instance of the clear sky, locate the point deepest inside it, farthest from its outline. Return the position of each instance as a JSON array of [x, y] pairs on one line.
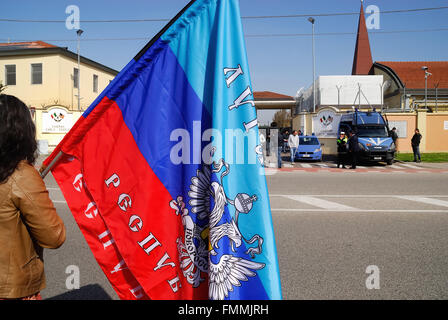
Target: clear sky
[[279, 64]]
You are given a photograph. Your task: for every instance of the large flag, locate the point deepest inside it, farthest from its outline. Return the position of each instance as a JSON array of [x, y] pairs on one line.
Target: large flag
[[163, 173]]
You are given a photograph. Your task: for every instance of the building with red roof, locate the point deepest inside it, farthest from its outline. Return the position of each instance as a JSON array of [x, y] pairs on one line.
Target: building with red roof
[[404, 81], [406, 84]]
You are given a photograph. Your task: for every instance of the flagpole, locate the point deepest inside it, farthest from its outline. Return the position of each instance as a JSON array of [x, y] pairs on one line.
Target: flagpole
[[52, 163]]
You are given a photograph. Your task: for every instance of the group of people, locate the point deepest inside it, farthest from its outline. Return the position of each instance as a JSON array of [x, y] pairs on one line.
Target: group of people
[[348, 149], [347, 146], [288, 140], [415, 142]]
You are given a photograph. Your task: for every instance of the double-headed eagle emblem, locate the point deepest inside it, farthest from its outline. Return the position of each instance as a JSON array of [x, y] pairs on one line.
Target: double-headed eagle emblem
[[199, 248]]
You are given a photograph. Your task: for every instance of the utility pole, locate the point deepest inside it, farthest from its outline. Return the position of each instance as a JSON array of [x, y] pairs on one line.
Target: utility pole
[[311, 19], [79, 32], [427, 74]]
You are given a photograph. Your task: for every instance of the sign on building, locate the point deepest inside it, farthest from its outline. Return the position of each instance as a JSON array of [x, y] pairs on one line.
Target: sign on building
[[402, 127], [56, 120], [326, 123]]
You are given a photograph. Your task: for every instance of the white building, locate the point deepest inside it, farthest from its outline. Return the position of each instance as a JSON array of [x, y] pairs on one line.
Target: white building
[[343, 92]]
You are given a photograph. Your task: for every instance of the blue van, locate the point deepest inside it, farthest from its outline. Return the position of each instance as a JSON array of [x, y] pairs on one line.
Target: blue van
[[375, 144], [309, 149]]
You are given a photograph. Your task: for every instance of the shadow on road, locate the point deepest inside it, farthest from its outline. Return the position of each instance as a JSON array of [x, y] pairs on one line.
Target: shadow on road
[[89, 292]]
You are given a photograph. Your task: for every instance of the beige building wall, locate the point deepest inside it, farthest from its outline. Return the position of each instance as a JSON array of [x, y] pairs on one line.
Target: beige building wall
[[35, 95], [68, 94], [57, 81], [56, 90], [437, 135]]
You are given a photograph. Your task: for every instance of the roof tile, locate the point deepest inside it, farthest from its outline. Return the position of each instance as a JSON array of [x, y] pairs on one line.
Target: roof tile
[[413, 77]]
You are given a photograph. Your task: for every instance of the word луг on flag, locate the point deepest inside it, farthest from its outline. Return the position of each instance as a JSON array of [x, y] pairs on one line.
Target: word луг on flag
[[149, 170]]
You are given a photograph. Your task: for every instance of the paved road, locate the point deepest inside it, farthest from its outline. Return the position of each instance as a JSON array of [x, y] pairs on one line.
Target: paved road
[[330, 226]]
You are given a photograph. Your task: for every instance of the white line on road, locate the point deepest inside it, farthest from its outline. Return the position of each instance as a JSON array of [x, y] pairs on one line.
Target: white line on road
[[394, 166], [410, 166], [427, 200], [306, 165], [320, 203], [322, 165]]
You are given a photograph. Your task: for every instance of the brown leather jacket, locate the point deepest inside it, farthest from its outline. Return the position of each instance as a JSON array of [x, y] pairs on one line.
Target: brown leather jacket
[[28, 223]]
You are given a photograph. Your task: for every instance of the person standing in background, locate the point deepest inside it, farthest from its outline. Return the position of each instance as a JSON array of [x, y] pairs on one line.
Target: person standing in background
[[394, 136], [285, 137], [293, 142], [342, 149], [280, 147], [353, 149], [415, 142]]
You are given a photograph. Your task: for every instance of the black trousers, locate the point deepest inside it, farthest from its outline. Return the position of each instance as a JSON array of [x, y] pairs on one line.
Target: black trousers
[[354, 158], [341, 158]]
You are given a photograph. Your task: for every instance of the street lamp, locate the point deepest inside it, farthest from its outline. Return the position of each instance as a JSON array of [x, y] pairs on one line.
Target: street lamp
[[311, 19], [427, 74], [79, 32]]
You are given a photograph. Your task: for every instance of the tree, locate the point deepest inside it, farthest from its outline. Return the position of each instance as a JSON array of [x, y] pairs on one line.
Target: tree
[[2, 87], [282, 118]]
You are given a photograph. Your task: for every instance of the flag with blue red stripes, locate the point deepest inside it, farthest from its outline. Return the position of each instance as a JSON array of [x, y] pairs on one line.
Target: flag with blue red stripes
[[164, 171]]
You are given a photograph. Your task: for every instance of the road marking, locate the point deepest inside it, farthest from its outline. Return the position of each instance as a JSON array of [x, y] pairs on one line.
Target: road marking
[[322, 165], [306, 165], [320, 203], [394, 166], [410, 166], [427, 200]]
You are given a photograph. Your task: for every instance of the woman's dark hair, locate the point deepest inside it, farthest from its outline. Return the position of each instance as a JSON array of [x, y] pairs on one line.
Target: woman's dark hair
[[17, 135]]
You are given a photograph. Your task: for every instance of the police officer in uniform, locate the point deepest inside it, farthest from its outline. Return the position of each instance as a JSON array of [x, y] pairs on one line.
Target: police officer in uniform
[[342, 149], [353, 148]]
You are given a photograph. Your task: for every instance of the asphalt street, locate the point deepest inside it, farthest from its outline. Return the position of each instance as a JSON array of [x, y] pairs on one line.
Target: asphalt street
[[330, 226]]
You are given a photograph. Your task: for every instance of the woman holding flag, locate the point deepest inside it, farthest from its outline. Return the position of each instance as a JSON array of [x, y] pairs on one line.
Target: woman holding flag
[[28, 219]]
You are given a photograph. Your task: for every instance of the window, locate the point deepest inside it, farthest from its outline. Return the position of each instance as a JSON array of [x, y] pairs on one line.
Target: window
[[308, 141], [75, 78], [10, 75], [95, 83], [36, 73]]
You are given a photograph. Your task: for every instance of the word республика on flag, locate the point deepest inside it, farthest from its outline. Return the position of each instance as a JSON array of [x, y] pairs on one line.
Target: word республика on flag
[[149, 173]]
